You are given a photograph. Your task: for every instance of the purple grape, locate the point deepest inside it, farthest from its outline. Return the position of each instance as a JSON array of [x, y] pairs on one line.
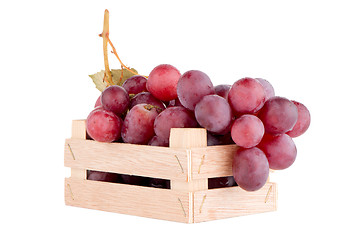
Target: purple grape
[[133, 180], [279, 115], [192, 87], [250, 168], [303, 121], [98, 102], [221, 182], [174, 117], [280, 150], [213, 113], [135, 84], [138, 127], [157, 141], [115, 99], [146, 98], [223, 90], [159, 183], [269, 90]]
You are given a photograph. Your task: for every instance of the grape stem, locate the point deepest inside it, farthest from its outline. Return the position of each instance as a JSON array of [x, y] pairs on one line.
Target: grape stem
[[105, 36], [117, 56]]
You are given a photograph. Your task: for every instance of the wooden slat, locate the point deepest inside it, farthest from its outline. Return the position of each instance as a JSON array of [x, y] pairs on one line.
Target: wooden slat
[[188, 137], [78, 129], [157, 162], [213, 161], [128, 199], [232, 202]]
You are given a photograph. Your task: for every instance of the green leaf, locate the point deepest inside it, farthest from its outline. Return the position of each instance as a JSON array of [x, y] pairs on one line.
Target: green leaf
[[98, 78]]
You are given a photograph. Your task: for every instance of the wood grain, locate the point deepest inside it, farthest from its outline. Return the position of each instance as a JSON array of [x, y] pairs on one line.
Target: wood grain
[[232, 202], [128, 199], [213, 161], [149, 161], [78, 129], [188, 137]]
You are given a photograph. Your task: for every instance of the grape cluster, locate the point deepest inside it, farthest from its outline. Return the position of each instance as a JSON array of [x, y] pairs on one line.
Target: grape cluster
[[142, 111]]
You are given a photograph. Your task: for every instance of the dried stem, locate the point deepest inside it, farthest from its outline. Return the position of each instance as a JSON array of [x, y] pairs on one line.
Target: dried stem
[[105, 36], [117, 56]]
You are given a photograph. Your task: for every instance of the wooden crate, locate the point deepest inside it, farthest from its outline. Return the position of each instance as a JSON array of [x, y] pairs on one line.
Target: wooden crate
[[187, 163]]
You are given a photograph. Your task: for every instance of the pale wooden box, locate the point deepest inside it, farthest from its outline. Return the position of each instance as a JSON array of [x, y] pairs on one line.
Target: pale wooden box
[[187, 163]]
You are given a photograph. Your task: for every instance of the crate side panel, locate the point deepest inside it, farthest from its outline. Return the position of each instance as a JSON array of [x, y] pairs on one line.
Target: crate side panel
[[127, 199], [214, 161], [157, 162], [232, 202]]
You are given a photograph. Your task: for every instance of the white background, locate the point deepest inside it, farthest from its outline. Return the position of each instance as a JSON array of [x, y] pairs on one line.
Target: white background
[[308, 50]]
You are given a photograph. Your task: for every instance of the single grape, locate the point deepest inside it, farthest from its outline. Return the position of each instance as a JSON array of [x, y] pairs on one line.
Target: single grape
[[192, 87], [103, 125], [250, 168], [159, 183], [138, 127], [221, 182], [303, 121], [132, 180], [279, 115], [247, 131], [135, 84], [98, 102], [269, 90], [213, 113], [146, 98], [162, 82], [157, 141], [280, 150], [246, 95], [223, 90], [102, 176], [115, 99], [173, 117]]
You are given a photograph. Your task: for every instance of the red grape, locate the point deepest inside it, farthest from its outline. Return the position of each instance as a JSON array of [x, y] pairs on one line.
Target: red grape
[[102, 176], [250, 168], [98, 102], [303, 121], [162, 82], [115, 99], [213, 113], [147, 98], [246, 95], [192, 87], [247, 131], [157, 141], [138, 127], [223, 90], [135, 84], [279, 115], [173, 117], [103, 125], [280, 150], [269, 90]]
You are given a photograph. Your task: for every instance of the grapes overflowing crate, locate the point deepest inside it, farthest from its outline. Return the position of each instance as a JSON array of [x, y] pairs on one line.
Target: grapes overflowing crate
[[189, 165]]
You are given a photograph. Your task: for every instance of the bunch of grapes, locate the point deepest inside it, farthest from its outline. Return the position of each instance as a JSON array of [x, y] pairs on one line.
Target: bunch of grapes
[[143, 110]]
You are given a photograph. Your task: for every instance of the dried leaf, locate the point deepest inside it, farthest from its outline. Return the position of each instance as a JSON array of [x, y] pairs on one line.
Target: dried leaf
[[98, 78]]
